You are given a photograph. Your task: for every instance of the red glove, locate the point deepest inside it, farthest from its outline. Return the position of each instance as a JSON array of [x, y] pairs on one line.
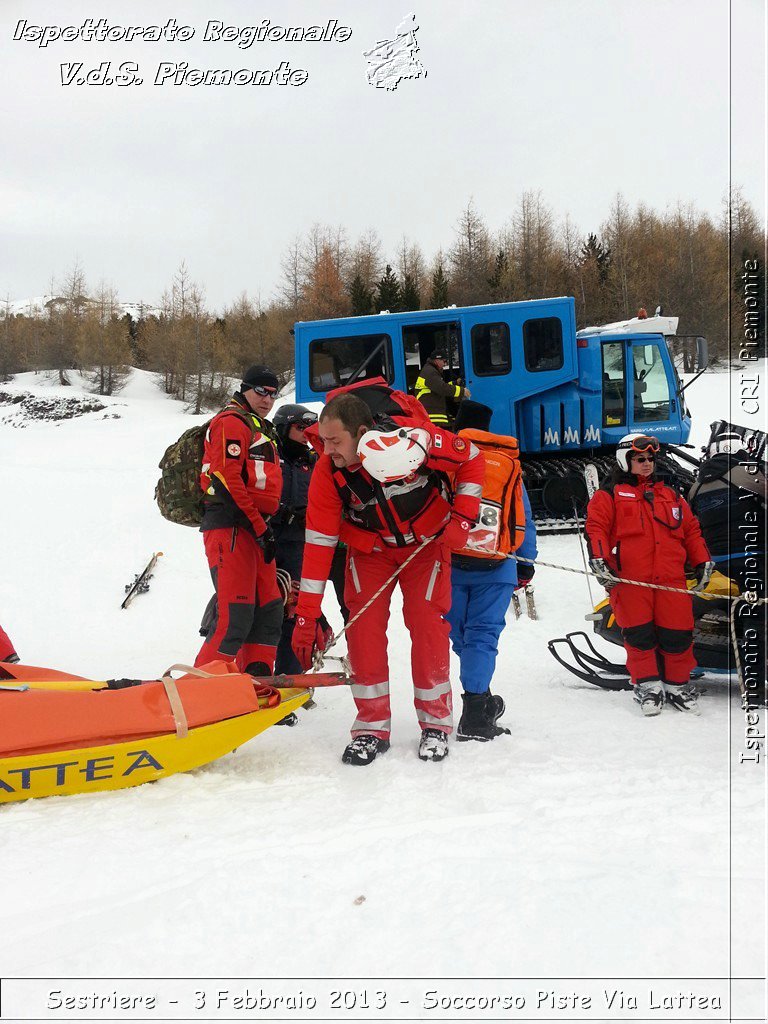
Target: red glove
[[309, 635], [455, 535]]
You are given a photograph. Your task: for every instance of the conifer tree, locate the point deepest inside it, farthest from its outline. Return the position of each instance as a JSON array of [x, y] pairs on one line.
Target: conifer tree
[[438, 298], [388, 292], [410, 298], [360, 297]]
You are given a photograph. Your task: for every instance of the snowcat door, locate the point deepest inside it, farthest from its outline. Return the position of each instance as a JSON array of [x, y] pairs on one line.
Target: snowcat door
[[653, 404], [614, 425], [420, 340]]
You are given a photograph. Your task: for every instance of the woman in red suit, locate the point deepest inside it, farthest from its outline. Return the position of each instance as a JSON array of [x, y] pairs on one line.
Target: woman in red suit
[[640, 529]]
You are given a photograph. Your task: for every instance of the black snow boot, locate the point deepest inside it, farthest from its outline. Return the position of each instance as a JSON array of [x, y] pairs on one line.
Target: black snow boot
[[478, 719], [363, 749], [496, 706], [290, 719], [433, 745]]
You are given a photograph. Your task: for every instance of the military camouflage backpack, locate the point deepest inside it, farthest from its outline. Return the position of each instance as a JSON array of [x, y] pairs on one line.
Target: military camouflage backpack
[[178, 493]]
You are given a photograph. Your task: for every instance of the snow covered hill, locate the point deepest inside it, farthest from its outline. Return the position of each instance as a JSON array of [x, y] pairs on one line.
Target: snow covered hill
[[589, 843], [37, 305]]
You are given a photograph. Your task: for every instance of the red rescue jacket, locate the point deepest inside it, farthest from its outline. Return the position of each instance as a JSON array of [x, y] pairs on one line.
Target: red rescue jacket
[[351, 506], [645, 532], [241, 475]]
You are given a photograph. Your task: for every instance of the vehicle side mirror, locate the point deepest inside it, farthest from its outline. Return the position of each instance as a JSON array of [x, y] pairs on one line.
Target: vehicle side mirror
[[702, 354]]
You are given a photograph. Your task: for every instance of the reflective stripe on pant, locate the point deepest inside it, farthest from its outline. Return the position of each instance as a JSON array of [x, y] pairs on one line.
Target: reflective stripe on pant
[[426, 586], [249, 614], [654, 621]]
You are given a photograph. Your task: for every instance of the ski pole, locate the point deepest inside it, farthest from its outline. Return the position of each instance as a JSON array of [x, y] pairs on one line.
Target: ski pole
[[583, 556]]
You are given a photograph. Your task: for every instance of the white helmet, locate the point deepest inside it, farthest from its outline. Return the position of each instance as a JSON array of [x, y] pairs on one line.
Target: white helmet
[[635, 443], [393, 454], [726, 444]]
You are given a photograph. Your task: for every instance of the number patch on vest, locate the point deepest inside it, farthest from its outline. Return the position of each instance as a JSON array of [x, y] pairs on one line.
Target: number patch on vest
[[485, 534]]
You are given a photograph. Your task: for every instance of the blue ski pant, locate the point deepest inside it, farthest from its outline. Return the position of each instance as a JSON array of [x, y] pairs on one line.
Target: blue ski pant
[[477, 617]]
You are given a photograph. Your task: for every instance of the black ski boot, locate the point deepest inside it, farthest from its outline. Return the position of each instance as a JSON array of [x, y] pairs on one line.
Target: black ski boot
[[433, 745], [364, 749], [478, 719]]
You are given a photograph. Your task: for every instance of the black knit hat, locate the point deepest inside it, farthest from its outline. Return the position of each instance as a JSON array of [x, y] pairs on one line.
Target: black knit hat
[[259, 377], [473, 415]]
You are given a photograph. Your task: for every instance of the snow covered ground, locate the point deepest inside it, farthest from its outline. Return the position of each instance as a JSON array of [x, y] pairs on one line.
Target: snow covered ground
[[590, 843]]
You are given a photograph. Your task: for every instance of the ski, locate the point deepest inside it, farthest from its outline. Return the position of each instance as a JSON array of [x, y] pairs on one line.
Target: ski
[[140, 583], [591, 478], [516, 605], [530, 603]]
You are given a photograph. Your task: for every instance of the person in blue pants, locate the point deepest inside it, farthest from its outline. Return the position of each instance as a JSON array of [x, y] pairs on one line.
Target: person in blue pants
[[481, 591]]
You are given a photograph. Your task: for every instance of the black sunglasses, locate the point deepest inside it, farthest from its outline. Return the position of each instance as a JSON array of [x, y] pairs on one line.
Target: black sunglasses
[[637, 458], [264, 392]]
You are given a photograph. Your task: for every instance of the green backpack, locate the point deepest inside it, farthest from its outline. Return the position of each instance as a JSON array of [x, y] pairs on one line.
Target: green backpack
[[178, 493]]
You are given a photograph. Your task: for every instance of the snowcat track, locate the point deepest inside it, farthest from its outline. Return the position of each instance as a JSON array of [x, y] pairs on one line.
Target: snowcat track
[[555, 482]]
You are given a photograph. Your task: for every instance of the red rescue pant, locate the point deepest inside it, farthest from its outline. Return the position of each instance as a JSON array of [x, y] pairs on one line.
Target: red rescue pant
[[6, 647], [426, 586], [247, 626], [655, 621]]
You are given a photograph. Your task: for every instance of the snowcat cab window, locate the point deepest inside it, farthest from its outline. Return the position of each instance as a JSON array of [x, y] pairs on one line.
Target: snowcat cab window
[[421, 340], [614, 412], [543, 344], [491, 351], [651, 388], [337, 361]]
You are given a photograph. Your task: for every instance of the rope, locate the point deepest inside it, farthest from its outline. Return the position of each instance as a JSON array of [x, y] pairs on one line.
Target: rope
[[317, 661], [749, 597]]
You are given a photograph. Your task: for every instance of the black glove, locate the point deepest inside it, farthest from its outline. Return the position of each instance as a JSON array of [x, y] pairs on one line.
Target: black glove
[[703, 573], [525, 573], [602, 572], [268, 544]]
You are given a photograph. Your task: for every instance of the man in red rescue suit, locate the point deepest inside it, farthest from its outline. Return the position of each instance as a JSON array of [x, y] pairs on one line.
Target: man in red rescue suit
[[383, 524], [640, 529], [242, 482]]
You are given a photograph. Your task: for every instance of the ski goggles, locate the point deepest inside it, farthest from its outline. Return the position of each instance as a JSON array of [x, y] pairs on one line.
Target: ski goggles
[[642, 443], [307, 419], [264, 392]]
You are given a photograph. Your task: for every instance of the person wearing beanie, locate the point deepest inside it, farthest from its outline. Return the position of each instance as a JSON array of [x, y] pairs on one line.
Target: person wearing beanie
[[432, 390], [258, 390], [483, 578], [242, 482]]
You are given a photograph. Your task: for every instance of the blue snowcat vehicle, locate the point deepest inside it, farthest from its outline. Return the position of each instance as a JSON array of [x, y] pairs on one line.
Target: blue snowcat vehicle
[[567, 396]]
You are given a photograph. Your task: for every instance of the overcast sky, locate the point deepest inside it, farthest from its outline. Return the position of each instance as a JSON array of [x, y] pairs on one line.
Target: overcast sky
[[578, 98]]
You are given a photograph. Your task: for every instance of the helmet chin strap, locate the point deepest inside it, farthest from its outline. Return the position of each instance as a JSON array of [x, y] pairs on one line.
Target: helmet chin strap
[[404, 433]]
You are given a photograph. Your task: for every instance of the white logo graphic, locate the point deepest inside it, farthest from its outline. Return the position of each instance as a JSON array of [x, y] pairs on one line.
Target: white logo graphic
[[591, 433], [676, 511], [571, 435], [392, 60], [551, 436]]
